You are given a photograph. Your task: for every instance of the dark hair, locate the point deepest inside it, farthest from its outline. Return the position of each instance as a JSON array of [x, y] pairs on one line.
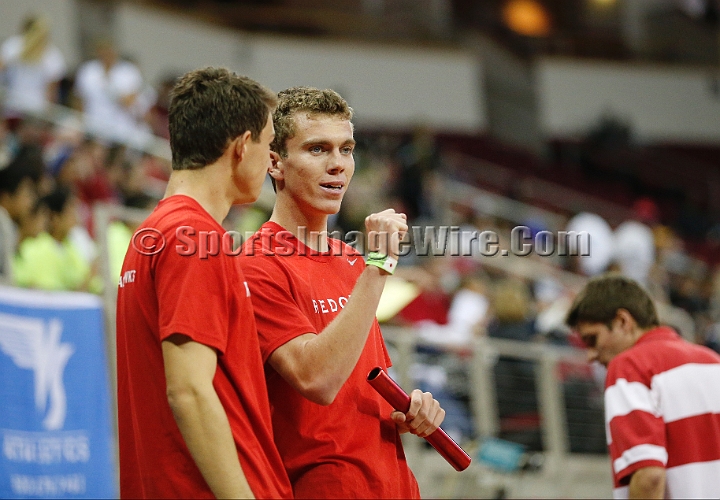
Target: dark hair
[[26, 164], [210, 107], [309, 100], [602, 296], [56, 200], [29, 159], [11, 179]]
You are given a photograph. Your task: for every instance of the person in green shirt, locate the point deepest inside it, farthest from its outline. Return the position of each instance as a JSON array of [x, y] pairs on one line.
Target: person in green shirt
[[51, 260], [119, 232]]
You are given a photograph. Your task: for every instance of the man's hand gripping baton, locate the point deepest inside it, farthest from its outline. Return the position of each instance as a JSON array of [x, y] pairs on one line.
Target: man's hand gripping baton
[[398, 399]]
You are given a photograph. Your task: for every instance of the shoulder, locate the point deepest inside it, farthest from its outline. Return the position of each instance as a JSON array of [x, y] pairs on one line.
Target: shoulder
[[178, 210], [646, 360], [700, 353], [631, 365], [263, 256], [268, 242], [181, 224]]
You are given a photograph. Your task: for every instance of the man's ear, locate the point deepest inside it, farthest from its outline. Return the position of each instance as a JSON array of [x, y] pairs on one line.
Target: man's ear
[[276, 168], [241, 143], [625, 320]]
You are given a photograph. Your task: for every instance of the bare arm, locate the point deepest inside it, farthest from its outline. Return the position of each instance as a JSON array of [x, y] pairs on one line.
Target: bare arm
[[648, 482], [318, 365], [189, 371]]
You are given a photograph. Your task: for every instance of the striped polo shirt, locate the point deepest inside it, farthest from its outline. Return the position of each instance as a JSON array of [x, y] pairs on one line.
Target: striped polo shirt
[[662, 408]]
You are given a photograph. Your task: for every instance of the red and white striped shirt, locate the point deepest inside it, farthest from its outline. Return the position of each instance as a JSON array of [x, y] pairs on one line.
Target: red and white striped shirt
[[662, 408]]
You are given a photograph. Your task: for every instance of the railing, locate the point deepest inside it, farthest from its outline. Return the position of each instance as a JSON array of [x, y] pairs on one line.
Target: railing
[[493, 204], [484, 354], [542, 192], [481, 358]]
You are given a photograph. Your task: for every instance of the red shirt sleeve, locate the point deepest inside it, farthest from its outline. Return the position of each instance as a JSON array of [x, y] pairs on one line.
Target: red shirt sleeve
[[636, 431], [193, 293], [278, 316]]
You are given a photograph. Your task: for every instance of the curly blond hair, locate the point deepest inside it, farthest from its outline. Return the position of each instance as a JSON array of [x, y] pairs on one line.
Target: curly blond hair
[[304, 99]]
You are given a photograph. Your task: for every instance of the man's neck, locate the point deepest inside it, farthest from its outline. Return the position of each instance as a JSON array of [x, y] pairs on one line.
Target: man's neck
[[640, 332], [306, 229], [204, 186]]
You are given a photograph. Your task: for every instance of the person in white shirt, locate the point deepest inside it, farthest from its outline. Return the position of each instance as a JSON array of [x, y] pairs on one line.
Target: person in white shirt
[[110, 89], [634, 253], [32, 67], [596, 258]]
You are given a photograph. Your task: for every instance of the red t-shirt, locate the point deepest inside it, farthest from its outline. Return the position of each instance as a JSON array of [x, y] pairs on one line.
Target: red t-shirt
[[662, 409], [205, 299], [350, 448]]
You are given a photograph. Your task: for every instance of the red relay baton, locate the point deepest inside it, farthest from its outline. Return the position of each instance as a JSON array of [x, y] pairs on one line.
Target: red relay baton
[[398, 399]]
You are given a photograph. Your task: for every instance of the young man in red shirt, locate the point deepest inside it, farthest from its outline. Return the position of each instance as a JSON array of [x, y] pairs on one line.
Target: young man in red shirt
[[193, 412], [315, 301], [662, 394]]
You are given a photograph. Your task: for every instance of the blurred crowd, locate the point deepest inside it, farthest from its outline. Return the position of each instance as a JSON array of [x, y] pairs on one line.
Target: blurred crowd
[[69, 140]]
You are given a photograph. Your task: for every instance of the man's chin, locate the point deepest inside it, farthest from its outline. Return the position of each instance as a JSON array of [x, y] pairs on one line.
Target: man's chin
[[331, 209]]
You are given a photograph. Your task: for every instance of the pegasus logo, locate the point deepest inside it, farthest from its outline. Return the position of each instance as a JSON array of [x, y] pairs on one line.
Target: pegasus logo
[[35, 344]]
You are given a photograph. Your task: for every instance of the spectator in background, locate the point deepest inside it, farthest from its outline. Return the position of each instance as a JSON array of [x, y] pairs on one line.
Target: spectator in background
[[516, 390], [634, 244], [111, 92], [157, 116], [35, 223], [51, 260], [419, 159], [661, 394], [32, 67], [512, 305], [600, 252], [17, 197], [468, 312], [441, 368], [552, 302], [119, 232], [63, 139], [437, 280], [29, 161]]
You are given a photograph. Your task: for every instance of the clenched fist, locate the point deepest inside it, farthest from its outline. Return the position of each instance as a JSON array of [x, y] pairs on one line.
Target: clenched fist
[[385, 230]]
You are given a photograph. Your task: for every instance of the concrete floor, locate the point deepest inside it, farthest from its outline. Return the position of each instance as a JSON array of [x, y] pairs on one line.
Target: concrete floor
[[576, 476]]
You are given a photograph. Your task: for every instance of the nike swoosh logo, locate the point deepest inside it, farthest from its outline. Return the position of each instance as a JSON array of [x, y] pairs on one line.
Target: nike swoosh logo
[[352, 262]]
